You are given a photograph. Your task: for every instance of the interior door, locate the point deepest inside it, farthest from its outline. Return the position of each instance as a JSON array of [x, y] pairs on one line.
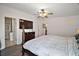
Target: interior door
[[7, 31]]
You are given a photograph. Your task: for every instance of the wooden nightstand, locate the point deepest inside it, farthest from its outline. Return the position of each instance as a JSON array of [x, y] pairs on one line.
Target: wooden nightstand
[[77, 38], [0, 48]]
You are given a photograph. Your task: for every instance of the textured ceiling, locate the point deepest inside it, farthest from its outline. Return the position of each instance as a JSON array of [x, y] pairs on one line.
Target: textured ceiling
[[59, 9]]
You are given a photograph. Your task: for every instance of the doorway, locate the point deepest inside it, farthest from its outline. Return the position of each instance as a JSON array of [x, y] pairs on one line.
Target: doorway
[[10, 31]]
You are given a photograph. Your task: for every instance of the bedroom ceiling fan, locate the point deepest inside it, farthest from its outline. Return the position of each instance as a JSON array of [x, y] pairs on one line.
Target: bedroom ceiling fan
[[43, 13]]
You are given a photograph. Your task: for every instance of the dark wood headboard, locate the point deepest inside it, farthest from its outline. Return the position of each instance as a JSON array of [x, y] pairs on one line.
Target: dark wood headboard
[[29, 36]]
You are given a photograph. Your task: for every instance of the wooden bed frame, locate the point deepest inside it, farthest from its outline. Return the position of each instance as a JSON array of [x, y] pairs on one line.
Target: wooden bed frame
[[26, 37], [29, 53]]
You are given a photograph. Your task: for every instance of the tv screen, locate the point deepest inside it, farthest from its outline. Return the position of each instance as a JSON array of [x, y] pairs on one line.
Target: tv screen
[[27, 24]]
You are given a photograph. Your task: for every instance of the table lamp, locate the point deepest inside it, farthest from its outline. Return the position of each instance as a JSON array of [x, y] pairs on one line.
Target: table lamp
[[78, 31]]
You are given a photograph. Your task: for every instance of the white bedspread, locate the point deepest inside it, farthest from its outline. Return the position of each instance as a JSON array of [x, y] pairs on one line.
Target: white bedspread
[[52, 46]]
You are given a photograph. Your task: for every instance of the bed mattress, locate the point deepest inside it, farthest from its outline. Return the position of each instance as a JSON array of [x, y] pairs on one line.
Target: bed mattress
[[50, 45]]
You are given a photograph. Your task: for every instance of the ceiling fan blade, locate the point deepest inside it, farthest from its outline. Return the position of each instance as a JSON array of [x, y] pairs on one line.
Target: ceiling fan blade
[[50, 13], [35, 14]]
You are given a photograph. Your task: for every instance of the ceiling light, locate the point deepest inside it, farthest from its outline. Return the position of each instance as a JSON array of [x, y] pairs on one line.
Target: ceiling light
[[43, 13]]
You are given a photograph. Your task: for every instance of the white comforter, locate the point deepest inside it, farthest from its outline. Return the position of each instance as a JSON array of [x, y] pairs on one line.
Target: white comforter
[[52, 46]]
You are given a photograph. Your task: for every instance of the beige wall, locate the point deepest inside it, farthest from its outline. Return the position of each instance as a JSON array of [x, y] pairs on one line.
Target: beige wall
[[65, 26]]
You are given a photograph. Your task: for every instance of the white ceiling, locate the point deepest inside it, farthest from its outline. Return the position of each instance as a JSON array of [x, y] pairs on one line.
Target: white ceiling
[[59, 9]]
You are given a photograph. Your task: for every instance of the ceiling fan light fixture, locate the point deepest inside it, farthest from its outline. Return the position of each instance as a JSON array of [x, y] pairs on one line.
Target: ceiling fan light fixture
[[43, 13]]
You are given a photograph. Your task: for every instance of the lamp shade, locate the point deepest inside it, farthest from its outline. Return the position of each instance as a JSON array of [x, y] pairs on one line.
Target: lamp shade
[[78, 31]]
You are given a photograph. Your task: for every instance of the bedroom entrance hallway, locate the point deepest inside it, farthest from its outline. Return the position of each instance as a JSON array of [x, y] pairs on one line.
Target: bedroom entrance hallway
[[10, 31]]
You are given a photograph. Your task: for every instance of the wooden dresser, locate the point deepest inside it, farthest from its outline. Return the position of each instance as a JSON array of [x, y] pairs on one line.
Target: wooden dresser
[[29, 36]]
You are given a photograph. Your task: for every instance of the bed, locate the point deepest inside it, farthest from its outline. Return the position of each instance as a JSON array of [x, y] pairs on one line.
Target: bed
[[50, 45]]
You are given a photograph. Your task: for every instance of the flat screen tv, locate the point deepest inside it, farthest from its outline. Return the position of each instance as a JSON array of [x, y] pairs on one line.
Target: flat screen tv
[[27, 24]]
